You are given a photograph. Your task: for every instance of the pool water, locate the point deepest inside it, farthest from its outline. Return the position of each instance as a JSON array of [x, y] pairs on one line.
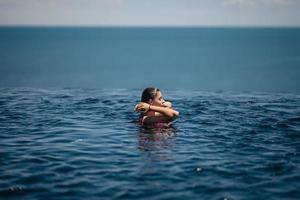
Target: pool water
[[86, 144]]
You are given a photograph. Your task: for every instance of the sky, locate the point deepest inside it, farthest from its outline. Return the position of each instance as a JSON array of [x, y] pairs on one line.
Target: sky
[[150, 12]]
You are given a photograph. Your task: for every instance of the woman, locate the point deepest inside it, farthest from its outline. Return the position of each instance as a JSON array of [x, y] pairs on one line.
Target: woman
[[155, 111]]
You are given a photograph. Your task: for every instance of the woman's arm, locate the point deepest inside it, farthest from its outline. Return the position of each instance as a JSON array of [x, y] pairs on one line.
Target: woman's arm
[[160, 118], [167, 104], [168, 112], [145, 107], [162, 114]]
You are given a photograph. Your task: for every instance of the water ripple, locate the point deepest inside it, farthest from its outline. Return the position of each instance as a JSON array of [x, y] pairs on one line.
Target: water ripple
[[86, 144]]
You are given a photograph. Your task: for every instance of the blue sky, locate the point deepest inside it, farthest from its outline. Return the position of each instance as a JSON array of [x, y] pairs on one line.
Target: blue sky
[[151, 12]]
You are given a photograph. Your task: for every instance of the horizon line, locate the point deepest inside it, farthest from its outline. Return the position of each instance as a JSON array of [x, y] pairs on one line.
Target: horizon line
[[143, 26]]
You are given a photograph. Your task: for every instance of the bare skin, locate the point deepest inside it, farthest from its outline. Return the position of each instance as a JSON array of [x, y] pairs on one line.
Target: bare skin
[[157, 110]]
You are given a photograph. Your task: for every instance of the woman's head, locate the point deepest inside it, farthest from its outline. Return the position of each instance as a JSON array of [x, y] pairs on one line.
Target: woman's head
[[152, 96]]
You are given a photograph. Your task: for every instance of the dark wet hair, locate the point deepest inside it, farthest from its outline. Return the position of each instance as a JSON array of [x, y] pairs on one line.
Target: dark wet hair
[[149, 93]]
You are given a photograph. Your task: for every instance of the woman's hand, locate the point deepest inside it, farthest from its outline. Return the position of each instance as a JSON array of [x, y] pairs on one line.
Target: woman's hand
[[167, 104], [142, 107]]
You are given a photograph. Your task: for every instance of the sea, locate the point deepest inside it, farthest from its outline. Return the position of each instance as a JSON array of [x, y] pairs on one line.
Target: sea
[[202, 58], [68, 129]]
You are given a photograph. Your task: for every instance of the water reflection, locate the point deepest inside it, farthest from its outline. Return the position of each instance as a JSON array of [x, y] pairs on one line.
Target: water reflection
[[155, 139]]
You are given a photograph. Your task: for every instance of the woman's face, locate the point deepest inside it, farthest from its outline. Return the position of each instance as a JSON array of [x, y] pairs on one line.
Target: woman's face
[[158, 99]]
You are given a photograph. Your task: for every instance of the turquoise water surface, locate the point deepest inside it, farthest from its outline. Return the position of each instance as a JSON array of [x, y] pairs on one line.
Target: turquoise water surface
[[235, 59]]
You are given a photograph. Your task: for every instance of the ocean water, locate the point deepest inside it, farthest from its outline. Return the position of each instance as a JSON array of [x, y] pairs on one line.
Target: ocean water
[[235, 59], [85, 144]]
